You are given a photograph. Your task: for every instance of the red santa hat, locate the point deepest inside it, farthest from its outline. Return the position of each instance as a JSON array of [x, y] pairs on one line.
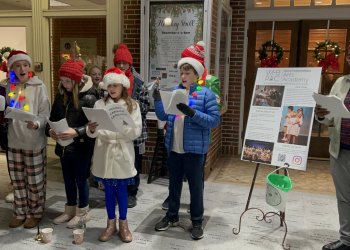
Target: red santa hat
[[18, 55], [194, 55], [122, 54], [72, 69], [115, 76]]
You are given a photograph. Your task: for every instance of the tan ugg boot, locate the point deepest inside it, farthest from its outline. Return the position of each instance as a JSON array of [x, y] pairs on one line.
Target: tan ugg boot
[[124, 232], [81, 217], [109, 231], [69, 213]]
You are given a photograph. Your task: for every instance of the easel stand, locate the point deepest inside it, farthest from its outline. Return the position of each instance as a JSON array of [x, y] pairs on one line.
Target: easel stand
[[265, 216]]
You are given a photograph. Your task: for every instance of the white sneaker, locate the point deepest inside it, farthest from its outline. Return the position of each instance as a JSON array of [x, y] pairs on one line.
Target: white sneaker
[[10, 198]]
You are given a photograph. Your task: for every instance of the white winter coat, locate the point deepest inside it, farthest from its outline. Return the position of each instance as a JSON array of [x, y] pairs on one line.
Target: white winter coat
[[114, 151]]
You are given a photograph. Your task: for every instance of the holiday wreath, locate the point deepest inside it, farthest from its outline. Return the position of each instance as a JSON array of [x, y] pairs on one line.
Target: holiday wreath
[[270, 54], [326, 53], [4, 53], [3, 50]]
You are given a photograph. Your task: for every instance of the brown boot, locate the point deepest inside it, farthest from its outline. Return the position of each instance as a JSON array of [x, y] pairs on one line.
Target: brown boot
[[124, 232], [15, 222], [109, 231], [31, 222]]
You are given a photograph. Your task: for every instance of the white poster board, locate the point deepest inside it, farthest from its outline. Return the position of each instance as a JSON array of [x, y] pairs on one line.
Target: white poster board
[[281, 115], [173, 27]]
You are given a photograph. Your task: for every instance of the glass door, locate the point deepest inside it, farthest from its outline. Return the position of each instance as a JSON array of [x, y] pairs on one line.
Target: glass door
[[285, 34], [314, 37]]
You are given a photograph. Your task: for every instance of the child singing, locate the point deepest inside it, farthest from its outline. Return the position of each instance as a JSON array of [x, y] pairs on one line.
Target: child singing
[[113, 160]]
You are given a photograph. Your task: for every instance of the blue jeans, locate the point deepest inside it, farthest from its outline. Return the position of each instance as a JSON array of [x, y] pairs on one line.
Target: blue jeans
[[75, 173], [190, 165]]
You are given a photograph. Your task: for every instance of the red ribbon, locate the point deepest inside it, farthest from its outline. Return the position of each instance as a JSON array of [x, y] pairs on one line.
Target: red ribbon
[[329, 62], [269, 62]]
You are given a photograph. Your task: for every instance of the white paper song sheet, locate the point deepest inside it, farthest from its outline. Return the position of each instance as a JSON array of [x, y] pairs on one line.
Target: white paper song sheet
[[333, 104], [18, 114], [113, 118], [119, 115], [60, 127], [171, 98]]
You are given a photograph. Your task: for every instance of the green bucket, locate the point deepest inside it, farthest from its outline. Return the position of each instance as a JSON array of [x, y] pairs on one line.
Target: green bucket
[[277, 188], [282, 182]]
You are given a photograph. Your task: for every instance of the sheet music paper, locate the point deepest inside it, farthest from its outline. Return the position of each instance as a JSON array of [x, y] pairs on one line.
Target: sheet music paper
[[113, 118], [333, 104], [59, 127], [18, 114], [171, 98]]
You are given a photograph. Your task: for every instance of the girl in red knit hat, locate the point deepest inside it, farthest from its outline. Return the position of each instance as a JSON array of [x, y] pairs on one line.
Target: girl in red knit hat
[[27, 141], [75, 91], [124, 61], [113, 160]]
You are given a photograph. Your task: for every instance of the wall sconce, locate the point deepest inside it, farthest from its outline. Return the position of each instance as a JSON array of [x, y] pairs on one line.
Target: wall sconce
[[167, 21]]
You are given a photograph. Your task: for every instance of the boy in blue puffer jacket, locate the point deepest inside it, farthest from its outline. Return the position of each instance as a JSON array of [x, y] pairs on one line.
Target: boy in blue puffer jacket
[[187, 141]]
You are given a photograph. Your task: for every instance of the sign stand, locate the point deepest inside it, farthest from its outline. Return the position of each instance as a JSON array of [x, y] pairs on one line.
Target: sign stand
[[265, 216]]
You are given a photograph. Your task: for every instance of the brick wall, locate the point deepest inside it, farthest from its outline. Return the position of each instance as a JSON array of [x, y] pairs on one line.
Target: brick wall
[[230, 120], [132, 29]]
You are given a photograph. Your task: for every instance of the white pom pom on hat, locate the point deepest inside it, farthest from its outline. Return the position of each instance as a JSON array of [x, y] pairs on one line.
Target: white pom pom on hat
[[115, 76]]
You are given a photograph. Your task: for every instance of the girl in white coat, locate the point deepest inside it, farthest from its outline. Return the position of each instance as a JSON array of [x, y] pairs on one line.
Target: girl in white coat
[[113, 160]]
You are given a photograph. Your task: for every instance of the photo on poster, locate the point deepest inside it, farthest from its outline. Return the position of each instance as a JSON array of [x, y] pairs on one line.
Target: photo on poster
[[257, 151], [268, 95], [295, 125]]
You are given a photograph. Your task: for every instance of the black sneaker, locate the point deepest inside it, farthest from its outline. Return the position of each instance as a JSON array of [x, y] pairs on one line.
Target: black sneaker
[[165, 205], [197, 232], [132, 201], [165, 223]]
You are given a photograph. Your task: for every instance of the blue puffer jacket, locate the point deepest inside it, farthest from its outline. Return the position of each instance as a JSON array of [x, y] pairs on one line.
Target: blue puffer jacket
[[196, 129]]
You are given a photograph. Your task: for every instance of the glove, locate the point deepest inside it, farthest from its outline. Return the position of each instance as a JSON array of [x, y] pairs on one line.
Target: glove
[[156, 95], [185, 109]]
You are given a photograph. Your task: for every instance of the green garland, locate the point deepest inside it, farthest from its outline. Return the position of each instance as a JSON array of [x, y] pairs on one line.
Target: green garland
[[328, 46], [271, 46]]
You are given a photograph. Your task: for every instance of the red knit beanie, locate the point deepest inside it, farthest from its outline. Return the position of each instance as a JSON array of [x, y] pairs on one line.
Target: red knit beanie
[[18, 55], [122, 53], [194, 55], [72, 69], [195, 51]]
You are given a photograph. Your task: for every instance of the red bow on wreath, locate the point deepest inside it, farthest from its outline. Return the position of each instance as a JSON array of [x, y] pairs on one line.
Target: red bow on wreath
[[269, 62], [330, 61]]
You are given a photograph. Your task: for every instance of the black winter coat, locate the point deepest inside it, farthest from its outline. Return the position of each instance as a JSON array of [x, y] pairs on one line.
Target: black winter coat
[[83, 145]]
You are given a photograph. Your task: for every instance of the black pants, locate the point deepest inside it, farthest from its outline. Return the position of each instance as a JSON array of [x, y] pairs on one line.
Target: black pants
[[132, 189]]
